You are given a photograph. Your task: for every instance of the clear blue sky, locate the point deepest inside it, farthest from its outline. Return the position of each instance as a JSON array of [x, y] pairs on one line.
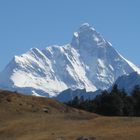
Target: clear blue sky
[[25, 24]]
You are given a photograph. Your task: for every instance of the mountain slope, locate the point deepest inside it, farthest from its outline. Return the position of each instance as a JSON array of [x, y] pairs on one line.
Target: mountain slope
[[128, 82], [69, 94], [89, 62]]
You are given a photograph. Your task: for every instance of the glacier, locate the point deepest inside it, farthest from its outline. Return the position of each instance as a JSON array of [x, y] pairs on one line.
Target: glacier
[[88, 62]]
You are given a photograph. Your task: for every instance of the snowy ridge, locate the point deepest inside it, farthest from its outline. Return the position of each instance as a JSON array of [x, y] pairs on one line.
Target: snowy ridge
[[133, 66], [88, 62], [128, 82]]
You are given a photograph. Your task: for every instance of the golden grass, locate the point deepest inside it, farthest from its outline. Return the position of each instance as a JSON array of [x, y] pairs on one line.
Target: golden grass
[[29, 122]]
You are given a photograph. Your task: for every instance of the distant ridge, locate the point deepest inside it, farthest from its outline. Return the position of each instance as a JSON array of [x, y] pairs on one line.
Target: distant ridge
[[128, 82]]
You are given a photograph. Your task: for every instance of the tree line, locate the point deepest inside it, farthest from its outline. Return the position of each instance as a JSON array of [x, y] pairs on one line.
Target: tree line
[[114, 103]]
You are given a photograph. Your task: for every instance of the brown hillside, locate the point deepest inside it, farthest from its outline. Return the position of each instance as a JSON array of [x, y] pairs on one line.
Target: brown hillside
[[11, 102], [35, 118]]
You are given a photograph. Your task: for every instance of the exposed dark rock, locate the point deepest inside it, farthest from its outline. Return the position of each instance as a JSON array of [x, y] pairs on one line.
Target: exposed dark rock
[[46, 110], [86, 138]]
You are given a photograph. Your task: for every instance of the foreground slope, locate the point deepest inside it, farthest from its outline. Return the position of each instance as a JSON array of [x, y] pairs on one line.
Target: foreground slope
[[88, 62], [11, 102], [22, 118]]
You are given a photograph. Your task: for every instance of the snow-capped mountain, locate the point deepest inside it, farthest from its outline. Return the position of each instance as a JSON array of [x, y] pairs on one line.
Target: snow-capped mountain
[[128, 82], [88, 62]]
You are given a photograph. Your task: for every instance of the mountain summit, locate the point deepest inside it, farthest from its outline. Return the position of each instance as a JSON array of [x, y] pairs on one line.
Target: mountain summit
[[88, 62], [87, 37]]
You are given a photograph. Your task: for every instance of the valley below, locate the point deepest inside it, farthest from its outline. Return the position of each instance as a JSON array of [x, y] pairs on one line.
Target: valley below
[[25, 117]]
